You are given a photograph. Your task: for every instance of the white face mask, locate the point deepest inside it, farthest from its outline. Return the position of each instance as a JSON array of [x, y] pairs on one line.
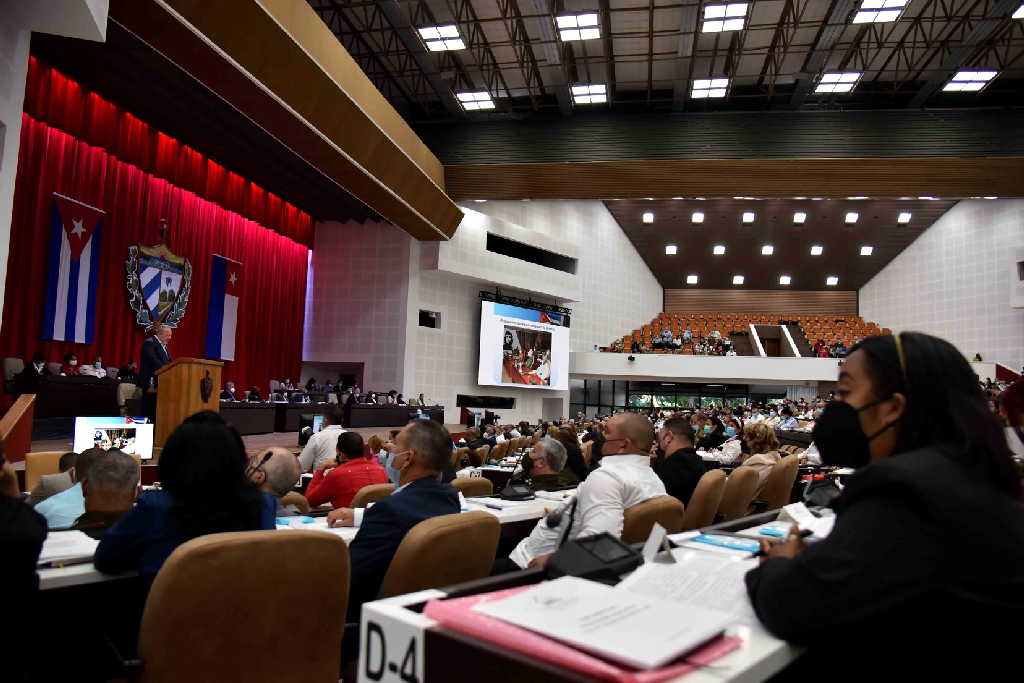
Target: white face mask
[[72, 363]]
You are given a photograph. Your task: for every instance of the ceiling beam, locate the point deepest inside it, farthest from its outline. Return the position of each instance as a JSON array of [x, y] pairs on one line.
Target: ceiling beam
[[609, 48], [690, 15], [838, 20], [959, 55], [553, 53]]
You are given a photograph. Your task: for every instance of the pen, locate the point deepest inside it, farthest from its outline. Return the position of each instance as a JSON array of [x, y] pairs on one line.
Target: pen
[[493, 506], [804, 533]]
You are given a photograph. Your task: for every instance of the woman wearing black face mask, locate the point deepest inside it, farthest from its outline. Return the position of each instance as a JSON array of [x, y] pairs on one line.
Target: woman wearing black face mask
[[926, 561]]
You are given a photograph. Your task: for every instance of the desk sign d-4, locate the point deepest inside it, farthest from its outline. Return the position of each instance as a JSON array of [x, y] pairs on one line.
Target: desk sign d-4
[[392, 639]]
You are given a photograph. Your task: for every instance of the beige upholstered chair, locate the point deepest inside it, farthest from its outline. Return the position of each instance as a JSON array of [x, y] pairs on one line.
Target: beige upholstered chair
[[12, 366], [640, 518], [442, 551], [457, 456], [499, 451], [53, 367], [705, 500], [224, 607], [587, 451], [371, 494], [38, 464], [473, 486], [298, 500], [482, 454], [779, 486], [739, 491]]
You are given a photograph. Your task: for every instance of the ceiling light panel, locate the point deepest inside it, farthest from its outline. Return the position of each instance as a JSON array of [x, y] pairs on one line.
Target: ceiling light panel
[[441, 38], [648, 217], [969, 81], [879, 11], [728, 17], [596, 93], [767, 250], [748, 217], [832, 281], [867, 250], [718, 249], [799, 217], [737, 279], [817, 250], [704, 88], [671, 250], [691, 279], [475, 101], [785, 279], [837, 82], [578, 26], [851, 217], [697, 217], [1019, 14], [904, 217]]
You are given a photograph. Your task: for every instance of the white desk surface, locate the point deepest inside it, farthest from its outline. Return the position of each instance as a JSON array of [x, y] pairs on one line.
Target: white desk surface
[[80, 574]]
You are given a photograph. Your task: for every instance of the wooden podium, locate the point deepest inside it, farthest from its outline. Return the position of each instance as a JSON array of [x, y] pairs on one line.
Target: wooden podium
[[180, 392]]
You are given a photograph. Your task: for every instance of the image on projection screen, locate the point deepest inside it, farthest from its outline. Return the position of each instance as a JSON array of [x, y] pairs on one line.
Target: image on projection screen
[[523, 347]]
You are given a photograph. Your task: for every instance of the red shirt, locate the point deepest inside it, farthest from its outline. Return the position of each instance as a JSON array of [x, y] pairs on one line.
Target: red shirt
[[343, 482]]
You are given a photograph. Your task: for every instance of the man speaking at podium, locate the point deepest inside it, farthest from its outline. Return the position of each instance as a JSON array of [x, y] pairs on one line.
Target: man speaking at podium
[[153, 356]]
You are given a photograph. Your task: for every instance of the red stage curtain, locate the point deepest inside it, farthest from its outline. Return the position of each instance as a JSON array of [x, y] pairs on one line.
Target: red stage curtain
[[52, 97], [271, 307]]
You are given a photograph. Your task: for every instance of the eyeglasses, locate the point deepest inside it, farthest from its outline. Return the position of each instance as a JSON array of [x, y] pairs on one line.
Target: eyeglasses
[[252, 469]]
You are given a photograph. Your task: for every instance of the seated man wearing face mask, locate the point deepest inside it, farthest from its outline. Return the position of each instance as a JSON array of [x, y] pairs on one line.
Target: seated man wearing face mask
[[678, 465]]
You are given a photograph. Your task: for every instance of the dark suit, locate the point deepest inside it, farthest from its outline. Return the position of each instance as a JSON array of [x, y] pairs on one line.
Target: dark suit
[[29, 380], [383, 528], [152, 358], [680, 473]]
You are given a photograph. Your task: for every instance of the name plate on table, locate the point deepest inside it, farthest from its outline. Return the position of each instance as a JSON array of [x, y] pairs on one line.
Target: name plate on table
[[392, 639]]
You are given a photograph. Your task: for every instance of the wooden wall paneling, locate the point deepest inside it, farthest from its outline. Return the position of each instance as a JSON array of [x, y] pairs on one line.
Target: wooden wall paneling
[[760, 301]]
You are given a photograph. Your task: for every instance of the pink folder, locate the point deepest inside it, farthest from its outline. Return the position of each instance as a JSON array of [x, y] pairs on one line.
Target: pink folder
[[457, 614]]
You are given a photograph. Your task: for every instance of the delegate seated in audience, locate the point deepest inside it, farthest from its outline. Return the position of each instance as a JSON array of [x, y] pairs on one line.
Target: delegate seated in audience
[[311, 385], [788, 421], [62, 509], [70, 366], [712, 434], [925, 566], [624, 479], [349, 472], [254, 394], [110, 491], [322, 446], [94, 369], [422, 449], [275, 472], [30, 379], [229, 393], [128, 374], [574, 454], [547, 466], [52, 484], [205, 491], [1011, 410], [762, 452], [678, 465]]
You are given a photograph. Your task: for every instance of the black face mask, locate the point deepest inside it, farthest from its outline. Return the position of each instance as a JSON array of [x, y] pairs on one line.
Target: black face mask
[[660, 452], [839, 436]]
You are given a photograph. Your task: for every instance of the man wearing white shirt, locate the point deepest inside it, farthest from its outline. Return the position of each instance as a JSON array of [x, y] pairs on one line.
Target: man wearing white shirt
[[624, 479], [322, 446]]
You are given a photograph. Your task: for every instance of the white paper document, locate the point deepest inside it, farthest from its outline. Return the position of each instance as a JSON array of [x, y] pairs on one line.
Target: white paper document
[[697, 580], [67, 547], [620, 625]]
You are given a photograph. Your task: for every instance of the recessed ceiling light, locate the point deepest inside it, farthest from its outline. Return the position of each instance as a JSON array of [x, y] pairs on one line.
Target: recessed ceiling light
[[737, 279], [832, 281], [990, 196], [969, 81], [691, 279], [441, 38], [590, 93], [799, 217], [704, 88], [767, 250], [697, 217], [851, 217], [480, 201], [578, 26], [679, 198], [905, 217], [718, 249], [648, 217], [748, 216], [817, 249], [475, 101], [858, 197], [1019, 14], [837, 82], [785, 279], [728, 17], [879, 11], [867, 250], [670, 250]]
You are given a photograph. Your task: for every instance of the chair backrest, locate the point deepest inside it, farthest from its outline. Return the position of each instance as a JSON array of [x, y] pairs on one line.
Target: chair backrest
[[371, 494], [499, 451], [297, 499], [587, 451], [739, 491], [220, 599], [275, 385], [112, 372], [441, 551], [457, 456], [705, 500], [473, 486], [53, 367], [482, 453], [779, 486], [639, 519], [38, 464], [12, 366]]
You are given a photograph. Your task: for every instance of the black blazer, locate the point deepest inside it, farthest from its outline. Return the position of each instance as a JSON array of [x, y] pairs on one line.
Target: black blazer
[[383, 528], [680, 473], [152, 358], [28, 380]]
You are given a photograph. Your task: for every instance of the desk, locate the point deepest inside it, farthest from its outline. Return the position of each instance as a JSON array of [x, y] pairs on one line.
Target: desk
[[365, 415], [445, 655], [286, 415], [76, 396], [249, 418]]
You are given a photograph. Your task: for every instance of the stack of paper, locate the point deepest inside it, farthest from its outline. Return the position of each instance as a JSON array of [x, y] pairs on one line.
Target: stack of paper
[[67, 547]]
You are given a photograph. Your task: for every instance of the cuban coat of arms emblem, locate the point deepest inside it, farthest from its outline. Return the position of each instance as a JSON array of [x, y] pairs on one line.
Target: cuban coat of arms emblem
[[158, 283]]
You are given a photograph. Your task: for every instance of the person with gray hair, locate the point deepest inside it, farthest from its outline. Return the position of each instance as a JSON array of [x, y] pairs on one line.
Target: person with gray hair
[[547, 466], [275, 471], [109, 491]]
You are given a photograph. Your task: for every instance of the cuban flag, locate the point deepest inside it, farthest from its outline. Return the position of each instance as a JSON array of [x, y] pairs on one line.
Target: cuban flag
[[74, 266], [225, 286]]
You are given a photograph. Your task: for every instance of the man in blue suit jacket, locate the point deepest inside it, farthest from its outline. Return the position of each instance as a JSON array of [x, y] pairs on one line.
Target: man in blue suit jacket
[[421, 451]]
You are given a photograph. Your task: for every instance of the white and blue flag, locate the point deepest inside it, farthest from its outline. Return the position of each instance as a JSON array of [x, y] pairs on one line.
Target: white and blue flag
[[225, 287], [73, 271]]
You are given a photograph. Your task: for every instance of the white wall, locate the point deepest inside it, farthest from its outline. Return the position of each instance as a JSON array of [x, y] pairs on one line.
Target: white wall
[[727, 369], [955, 280], [18, 18], [356, 300]]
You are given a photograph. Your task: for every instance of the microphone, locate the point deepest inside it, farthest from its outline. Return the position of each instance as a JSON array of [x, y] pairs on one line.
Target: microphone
[[513, 491]]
